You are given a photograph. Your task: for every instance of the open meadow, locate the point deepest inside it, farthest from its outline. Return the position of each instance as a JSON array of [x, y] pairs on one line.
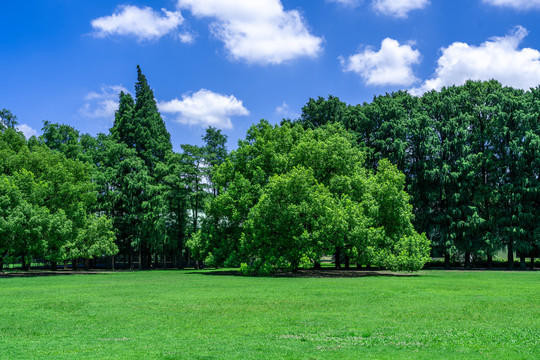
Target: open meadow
[[203, 315]]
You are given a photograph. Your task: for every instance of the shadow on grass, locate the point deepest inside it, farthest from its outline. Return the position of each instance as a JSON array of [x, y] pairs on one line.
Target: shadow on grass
[[312, 273], [24, 274]]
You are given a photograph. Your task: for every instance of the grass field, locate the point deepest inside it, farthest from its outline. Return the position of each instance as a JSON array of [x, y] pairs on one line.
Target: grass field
[[193, 315]]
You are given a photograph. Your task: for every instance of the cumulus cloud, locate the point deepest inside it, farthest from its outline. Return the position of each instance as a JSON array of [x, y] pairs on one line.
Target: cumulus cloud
[[391, 65], [516, 4], [398, 8], [143, 23], [498, 58], [102, 104], [257, 31], [27, 130], [205, 108]]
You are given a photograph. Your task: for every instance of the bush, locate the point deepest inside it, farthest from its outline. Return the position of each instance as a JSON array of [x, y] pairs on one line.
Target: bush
[[258, 268]]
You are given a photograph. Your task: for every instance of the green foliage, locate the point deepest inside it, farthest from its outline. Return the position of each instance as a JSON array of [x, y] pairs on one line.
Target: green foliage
[[47, 202], [331, 182], [322, 111], [289, 221], [7, 120], [288, 194], [62, 138], [469, 158], [140, 200]]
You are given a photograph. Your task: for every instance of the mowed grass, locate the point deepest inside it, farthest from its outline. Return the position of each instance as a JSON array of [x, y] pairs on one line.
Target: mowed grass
[[193, 315]]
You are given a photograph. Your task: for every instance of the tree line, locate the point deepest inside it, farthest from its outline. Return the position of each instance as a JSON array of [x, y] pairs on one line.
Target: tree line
[[67, 196], [471, 159], [389, 183]]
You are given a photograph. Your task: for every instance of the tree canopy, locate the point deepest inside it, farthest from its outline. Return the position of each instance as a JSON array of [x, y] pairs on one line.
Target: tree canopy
[[390, 183]]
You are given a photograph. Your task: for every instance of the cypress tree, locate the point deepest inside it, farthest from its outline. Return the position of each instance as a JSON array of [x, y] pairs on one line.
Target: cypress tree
[[138, 124]]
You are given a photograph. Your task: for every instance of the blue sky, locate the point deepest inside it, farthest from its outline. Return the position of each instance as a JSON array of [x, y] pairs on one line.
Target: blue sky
[[230, 63]]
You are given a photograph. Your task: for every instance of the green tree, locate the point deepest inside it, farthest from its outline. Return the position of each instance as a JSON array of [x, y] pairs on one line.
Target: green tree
[[288, 223], [48, 197], [138, 125], [215, 153], [7, 120], [322, 111], [176, 194], [330, 158], [63, 138]]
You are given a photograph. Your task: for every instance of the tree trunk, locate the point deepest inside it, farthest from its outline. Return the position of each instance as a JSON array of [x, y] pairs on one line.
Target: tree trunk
[[140, 258], [164, 260], [337, 256], [490, 261], [522, 264], [54, 266], [347, 262], [26, 264], [156, 261], [130, 260], [75, 264], [86, 264], [532, 263], [467, 260], [447, 261], [317, 265], [65, 264], [178, 255], [148, 258], [510, 264], [358, 266], [112, 263]]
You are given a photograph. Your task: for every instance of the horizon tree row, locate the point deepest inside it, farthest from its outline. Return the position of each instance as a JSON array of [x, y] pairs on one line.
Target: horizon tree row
[[471, 157], [468, 156]]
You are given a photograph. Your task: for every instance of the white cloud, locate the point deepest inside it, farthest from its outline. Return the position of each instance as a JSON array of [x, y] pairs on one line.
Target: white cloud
[[516, 4], [27, 130], [391, 65], [257, 31], [102, 104], [143, 23], [498, 58], [284, 110], [205, 108], [351, 3], [398, 8], [186, 38]]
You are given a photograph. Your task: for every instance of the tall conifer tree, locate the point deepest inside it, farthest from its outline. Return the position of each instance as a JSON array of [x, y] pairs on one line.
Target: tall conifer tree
[[138, 124]]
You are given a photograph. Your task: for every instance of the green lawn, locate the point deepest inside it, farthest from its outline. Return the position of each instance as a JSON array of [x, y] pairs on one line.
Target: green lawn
[[192, 315]]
